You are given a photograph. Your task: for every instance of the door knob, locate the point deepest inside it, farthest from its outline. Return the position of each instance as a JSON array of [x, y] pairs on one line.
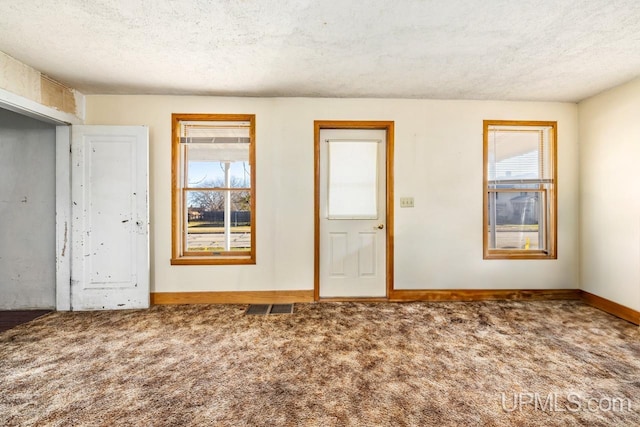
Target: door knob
[[380, 226]]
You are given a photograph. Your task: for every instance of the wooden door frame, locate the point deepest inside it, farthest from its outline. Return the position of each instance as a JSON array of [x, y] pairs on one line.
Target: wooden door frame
[[387, 126]]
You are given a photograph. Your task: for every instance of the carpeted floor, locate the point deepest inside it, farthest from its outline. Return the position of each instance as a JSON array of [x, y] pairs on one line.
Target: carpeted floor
[[557, 363]]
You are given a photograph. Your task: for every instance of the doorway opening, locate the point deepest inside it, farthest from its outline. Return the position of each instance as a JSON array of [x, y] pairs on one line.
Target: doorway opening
[[27, 212]]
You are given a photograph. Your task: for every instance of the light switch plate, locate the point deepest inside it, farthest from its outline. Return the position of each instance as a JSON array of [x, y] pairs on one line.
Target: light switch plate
[[406, 202]]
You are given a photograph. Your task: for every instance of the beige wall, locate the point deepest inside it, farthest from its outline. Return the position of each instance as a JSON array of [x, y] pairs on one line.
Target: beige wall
[[610, 196], [438, 152]]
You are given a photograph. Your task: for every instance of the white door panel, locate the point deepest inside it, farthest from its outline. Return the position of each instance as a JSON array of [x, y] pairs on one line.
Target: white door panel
[[352, 213], [110, 249], [367, 254]]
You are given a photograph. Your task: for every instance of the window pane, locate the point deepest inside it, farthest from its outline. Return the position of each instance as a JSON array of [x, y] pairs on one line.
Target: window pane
[[212, 174], [519, 220], [353, 179], [240, 221], [514, 154], [209, 229]]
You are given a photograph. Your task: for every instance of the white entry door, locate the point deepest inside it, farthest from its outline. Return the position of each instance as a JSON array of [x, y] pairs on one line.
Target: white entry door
[[352, 213], [109, 231]]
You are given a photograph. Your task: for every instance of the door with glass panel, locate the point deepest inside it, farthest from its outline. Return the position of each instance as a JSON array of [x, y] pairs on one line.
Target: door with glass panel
[[352, 213]]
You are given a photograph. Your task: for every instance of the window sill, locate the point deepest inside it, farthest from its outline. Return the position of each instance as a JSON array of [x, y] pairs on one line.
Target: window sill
[[200, 260], [519, 255]]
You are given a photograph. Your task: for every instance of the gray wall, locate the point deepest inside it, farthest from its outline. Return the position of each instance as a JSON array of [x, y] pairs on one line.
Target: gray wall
[[27, 213]]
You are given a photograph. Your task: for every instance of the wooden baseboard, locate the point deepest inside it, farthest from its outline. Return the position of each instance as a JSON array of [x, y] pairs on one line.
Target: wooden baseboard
[[611, 307], [353, 299], [484, 294], [286, 297], [232, 297]]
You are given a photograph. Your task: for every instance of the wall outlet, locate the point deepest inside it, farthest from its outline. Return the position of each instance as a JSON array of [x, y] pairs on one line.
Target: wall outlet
[[406, 202]]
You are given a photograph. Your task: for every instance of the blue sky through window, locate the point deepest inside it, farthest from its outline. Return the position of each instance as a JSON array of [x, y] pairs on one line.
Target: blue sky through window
[[203, 174]]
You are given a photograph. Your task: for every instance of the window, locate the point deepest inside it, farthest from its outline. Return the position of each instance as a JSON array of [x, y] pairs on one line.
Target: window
[[213, 184], [520, 190], [353, 179]]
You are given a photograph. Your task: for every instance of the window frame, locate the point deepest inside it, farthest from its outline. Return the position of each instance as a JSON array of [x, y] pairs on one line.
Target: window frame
[[550, 199], [178, 224]]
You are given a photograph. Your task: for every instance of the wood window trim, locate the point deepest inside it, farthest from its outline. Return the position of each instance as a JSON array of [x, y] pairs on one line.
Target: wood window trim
[[222, 257], [552, 241]]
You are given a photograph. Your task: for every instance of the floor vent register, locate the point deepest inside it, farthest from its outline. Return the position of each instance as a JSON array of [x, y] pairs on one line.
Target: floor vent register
[[264, 309]]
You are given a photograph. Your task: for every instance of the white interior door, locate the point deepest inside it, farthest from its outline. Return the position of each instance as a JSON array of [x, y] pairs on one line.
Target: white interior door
[[352, 213], [110, 238]]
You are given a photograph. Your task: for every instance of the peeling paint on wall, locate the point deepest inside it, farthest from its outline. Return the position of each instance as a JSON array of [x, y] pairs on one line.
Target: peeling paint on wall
[[21, 79], [55, 94]]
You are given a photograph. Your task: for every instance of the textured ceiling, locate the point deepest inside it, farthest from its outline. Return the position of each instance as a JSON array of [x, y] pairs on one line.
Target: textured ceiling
[[552, 50]]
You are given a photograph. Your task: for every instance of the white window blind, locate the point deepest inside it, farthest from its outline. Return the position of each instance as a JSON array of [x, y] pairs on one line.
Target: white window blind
[[518, 155], [353, 179], [214, 132]]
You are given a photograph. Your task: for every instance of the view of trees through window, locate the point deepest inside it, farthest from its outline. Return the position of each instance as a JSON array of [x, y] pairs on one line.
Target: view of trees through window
[[206, 217]]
